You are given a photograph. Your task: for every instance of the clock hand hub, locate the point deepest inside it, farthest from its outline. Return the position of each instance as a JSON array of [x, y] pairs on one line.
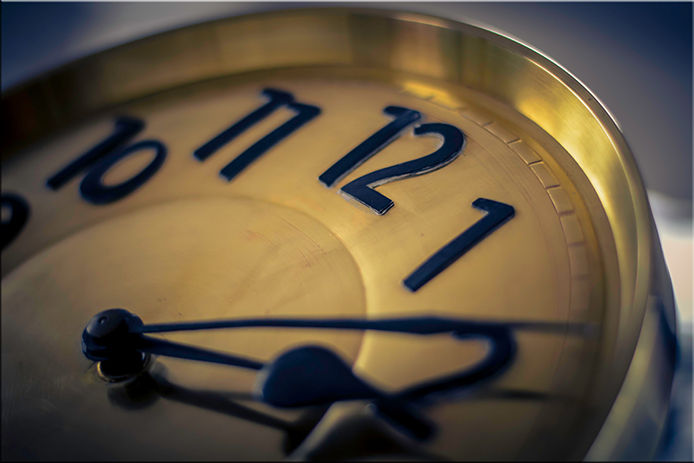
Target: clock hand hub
[[109, 339]]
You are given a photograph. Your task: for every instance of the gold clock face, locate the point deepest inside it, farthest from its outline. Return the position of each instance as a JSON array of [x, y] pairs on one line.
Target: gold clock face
[[314, 193]]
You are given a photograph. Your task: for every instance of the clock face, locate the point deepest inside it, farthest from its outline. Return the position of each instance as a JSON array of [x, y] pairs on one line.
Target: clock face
[[314, 194]]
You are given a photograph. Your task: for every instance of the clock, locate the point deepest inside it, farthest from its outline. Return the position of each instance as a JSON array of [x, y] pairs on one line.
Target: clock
[[326, 234]]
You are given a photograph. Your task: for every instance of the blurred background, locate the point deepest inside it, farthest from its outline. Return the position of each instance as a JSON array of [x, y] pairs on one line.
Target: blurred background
[[635, 57]]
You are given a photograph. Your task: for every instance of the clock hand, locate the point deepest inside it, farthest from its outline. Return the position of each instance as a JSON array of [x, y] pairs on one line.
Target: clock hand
[[313, 375], [183, 351], [409, 325], [113, 337], [117, 335], [501, 353]]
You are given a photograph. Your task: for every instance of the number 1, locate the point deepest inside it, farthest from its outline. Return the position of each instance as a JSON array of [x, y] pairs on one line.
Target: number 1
[[497, 214]]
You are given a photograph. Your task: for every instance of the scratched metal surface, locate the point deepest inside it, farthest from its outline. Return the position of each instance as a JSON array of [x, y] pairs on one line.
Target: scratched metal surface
[[635, 57]]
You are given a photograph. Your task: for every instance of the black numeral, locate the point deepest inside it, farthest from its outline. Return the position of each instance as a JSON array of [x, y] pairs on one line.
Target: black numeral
[[125, 129], [92, 187], [17, 216], [277, 98], [100, 158], [362, 190], [372, 145], [497, 214]]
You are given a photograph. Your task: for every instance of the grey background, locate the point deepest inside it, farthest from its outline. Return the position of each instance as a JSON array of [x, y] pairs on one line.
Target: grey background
[[636, 57]]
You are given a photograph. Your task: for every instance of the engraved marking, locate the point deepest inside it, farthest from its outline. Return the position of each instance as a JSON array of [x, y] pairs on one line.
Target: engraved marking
[[501, 132], [572, 229], [560, 199], [443, 102], [544, 175], [580, 295], [477, 117], [526, 153], [578, 260]]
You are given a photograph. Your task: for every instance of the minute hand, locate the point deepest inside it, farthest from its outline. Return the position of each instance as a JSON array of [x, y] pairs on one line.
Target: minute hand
[[408, 325], [116, 332], [314, 375]]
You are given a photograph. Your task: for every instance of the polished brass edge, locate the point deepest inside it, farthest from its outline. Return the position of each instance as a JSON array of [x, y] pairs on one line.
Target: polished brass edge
[[634, 425]]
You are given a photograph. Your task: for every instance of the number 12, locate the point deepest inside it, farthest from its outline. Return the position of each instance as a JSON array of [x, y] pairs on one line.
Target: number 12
[[362, 188]]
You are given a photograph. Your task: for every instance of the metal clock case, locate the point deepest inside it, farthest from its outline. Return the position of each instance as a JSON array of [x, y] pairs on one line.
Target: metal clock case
[[488, 282]]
